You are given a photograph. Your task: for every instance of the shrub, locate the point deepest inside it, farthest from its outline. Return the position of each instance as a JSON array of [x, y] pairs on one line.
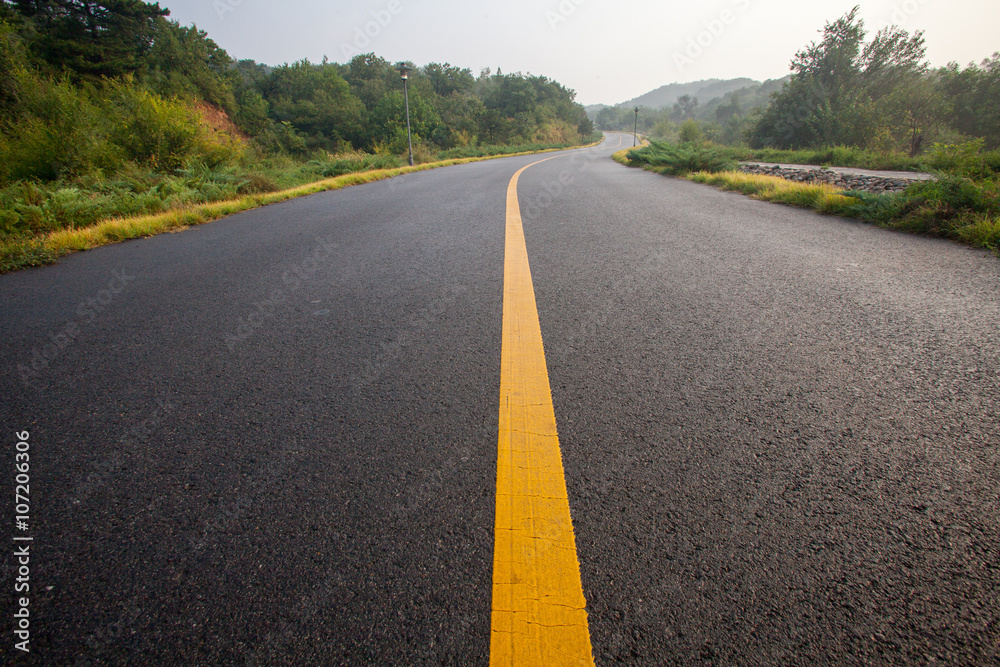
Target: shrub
[[677, 160], [150, 129], [58, 134], [951, 195], [968, 159], [691, 132]]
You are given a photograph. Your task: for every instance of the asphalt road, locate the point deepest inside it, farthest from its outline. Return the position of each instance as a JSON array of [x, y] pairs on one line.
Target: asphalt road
[[272, 439]]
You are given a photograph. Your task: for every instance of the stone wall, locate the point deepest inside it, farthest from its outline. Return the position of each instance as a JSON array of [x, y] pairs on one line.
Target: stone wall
[[858, 182]]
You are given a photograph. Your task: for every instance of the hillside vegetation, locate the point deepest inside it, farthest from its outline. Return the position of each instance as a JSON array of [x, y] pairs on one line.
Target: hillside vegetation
[[111, 109]]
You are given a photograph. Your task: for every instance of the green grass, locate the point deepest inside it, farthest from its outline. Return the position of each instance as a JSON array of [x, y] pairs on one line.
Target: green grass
[[962, 204], [495, 151], [953, 208], [681, 159], [40, 223], [352, 164], [837, 156], [966, 159]]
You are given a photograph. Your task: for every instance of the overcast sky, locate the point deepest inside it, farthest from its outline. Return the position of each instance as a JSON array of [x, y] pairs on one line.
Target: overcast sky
[[606, 51]]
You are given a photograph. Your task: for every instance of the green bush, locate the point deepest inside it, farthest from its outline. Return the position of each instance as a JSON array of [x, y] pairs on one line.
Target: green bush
[[968, 159], [691, 132], [951, 196], [952, 207], [60, 132], [680, 160], [257, 183], [151, 130], [880, 209]]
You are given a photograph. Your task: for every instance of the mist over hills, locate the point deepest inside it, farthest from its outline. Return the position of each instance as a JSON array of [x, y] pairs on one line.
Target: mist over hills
[[711, 94], [705, 90], [667, 96]]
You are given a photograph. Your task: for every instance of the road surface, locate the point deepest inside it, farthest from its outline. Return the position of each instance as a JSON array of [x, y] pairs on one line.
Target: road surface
[[273, 439]]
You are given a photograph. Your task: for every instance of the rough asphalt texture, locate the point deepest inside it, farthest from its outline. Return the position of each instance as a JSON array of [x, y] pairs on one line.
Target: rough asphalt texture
[[272, 439]]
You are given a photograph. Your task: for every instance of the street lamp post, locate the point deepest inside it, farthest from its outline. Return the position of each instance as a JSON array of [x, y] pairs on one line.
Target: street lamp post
[[404, 71], [635, 134]]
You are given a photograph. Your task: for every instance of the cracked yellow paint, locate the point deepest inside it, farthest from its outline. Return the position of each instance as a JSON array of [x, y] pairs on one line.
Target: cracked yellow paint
[[539, 612]]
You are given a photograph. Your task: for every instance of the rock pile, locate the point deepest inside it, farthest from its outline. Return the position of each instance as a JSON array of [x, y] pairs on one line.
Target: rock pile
[[856, 182]]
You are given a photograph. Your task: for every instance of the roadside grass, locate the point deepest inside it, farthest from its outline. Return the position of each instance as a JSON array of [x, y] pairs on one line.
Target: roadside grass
[[954, 207], [496, 151], [981, 232], [818, 196], [837, 156], [45, 242], [962, 203], [967, 159]]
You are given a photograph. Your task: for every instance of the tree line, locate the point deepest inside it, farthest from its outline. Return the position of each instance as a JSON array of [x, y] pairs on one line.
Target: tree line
[[90, 86], [874, 92]]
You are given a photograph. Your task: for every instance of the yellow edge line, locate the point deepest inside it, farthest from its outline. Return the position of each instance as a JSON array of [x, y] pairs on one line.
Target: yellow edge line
[[539, 612]]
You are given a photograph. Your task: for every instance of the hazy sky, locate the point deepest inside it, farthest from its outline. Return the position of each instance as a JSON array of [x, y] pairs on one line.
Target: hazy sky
[[606, 51]]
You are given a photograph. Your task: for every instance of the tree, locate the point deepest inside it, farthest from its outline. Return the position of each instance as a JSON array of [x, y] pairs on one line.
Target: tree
[[446, 79], [315, 99], [371, 78], [96, 39], [916, 109], [690, 132], [840, 87], [184, 61], [685, 107], [974, 99], [724, 112], [13, 62]]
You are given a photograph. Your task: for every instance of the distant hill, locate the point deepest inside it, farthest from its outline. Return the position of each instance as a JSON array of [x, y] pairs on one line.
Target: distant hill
[[667, 96], [718, 101], [744, 99]]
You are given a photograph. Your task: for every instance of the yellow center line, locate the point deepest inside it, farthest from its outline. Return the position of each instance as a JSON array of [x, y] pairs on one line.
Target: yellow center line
[[539, 611]]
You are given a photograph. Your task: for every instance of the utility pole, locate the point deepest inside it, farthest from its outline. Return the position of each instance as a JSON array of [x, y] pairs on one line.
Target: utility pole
[[635, 134], [404, 71]]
